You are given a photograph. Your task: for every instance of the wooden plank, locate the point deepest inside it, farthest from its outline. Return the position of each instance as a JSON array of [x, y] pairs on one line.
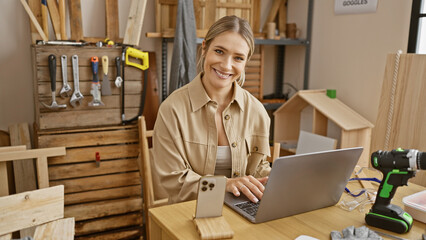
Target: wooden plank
[[45, 19], [108, 223], [157, 16], [272, 13], [90, 169], [98, 182], [133, 233], [60, 229], [282, 18], [112, 20], [319, 123], [103, 194], [210, 13], [90, 119], [32, 153], [101, 209], [54, 17], [36, 9], [256, 16], [34, 20], [75, 20], [358, 138], [6, 236], [42, 172], [31, 208], [85, 139], [135, 22], [24, 171], [62, 13], [4, 180], [76, 155]]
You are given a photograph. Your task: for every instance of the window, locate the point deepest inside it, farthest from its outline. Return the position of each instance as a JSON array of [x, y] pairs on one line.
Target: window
[[417, 35]]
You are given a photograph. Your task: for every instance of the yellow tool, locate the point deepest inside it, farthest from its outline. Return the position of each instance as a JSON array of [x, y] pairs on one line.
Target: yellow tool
[[138, 54]]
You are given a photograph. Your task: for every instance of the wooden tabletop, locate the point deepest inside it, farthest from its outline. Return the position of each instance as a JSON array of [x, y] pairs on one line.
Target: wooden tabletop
[[175, 222]]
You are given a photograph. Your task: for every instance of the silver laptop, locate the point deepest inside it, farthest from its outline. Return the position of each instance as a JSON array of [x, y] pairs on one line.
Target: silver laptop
[[300, 183]]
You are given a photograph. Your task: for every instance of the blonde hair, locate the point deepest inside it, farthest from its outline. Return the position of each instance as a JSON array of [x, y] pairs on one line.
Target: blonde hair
[[225, 24]]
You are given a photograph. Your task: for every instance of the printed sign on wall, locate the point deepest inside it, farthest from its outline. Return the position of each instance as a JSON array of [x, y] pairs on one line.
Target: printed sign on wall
[[354, 6]]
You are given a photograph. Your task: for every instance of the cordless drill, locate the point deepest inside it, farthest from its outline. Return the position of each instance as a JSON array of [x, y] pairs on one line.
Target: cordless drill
[[397, 167]]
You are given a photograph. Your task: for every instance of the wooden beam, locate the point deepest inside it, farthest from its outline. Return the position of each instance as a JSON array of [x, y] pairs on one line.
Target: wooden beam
[[256, 16], [272, 13], [32, 153], [54, 17], [76, 20], [59, 229], [209, 14], [36, 9], [4, 178], [31, 208], [24, 170], [34, 20], [282, 17], [62, 21], [111, 20], [135, 22]]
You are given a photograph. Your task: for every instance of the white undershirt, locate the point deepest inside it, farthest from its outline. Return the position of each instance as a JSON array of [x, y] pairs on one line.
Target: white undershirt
[[223, 161]]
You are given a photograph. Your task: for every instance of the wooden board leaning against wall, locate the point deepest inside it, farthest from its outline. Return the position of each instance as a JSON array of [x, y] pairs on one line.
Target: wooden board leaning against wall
[[406, 115]]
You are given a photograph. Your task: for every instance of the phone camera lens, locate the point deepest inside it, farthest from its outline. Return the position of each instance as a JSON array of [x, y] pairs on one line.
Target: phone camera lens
[[204, 189], [204, 182], [211, 185]]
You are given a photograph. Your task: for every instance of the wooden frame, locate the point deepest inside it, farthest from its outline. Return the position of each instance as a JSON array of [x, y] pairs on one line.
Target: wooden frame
[[41, 156], [144, 163]]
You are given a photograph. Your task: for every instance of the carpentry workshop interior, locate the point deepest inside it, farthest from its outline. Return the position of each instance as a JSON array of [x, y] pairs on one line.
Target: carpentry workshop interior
[[342, 84]]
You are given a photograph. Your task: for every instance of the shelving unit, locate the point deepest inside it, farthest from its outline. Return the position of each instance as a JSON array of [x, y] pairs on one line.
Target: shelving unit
[[281, 45]]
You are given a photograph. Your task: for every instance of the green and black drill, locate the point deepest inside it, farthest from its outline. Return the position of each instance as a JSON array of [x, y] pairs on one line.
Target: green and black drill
[[397, 167]]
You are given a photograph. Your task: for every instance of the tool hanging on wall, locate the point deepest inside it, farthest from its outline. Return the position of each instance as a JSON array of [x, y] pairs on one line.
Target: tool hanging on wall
[[96, 93], [134, 53], [66, 88], [106, 87], [118, 79], [52, 71], [76, 96]]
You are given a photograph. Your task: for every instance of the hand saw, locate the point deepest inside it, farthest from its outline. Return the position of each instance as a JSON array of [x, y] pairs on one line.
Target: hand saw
[[143, 56]]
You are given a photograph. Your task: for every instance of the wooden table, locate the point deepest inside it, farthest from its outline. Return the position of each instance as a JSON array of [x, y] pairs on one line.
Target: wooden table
[[175, 222]]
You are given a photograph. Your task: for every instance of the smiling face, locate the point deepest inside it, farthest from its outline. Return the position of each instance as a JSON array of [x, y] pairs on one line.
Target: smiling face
[[224, 61]]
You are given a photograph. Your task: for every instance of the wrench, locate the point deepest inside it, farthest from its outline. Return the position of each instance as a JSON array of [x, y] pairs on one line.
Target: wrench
[[118, 80], [76, 96], [66, 88]]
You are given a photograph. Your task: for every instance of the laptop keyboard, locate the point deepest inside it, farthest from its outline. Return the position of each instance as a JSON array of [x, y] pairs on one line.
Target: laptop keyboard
[[249, 207]]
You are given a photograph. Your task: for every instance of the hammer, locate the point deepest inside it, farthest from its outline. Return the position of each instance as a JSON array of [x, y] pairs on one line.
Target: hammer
[[52, 71]]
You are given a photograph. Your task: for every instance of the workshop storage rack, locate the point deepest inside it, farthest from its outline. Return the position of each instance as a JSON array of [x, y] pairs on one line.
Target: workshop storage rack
[[99, 171]]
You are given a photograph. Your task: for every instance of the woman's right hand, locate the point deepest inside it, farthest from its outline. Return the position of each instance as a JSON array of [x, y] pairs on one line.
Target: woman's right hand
[[250, 186]]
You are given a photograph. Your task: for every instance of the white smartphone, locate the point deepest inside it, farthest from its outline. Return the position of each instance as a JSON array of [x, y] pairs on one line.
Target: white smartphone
[[211, 194]]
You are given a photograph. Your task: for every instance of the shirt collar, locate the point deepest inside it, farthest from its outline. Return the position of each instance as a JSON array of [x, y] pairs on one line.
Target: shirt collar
[[199, 97]]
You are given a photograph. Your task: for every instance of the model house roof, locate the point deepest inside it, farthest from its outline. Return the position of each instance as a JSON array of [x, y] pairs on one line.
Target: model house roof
[[332, 108]]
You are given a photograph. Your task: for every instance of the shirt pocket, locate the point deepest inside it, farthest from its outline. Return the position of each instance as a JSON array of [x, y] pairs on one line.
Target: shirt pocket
[[257, 145]]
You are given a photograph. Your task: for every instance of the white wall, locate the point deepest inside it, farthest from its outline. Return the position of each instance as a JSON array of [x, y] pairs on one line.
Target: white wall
[[348, 52]]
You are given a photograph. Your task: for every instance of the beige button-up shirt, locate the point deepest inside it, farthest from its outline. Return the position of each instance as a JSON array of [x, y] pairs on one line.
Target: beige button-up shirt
[[185, 138]]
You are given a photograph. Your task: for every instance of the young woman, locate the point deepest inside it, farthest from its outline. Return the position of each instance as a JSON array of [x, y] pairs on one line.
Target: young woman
[[212, 126]]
